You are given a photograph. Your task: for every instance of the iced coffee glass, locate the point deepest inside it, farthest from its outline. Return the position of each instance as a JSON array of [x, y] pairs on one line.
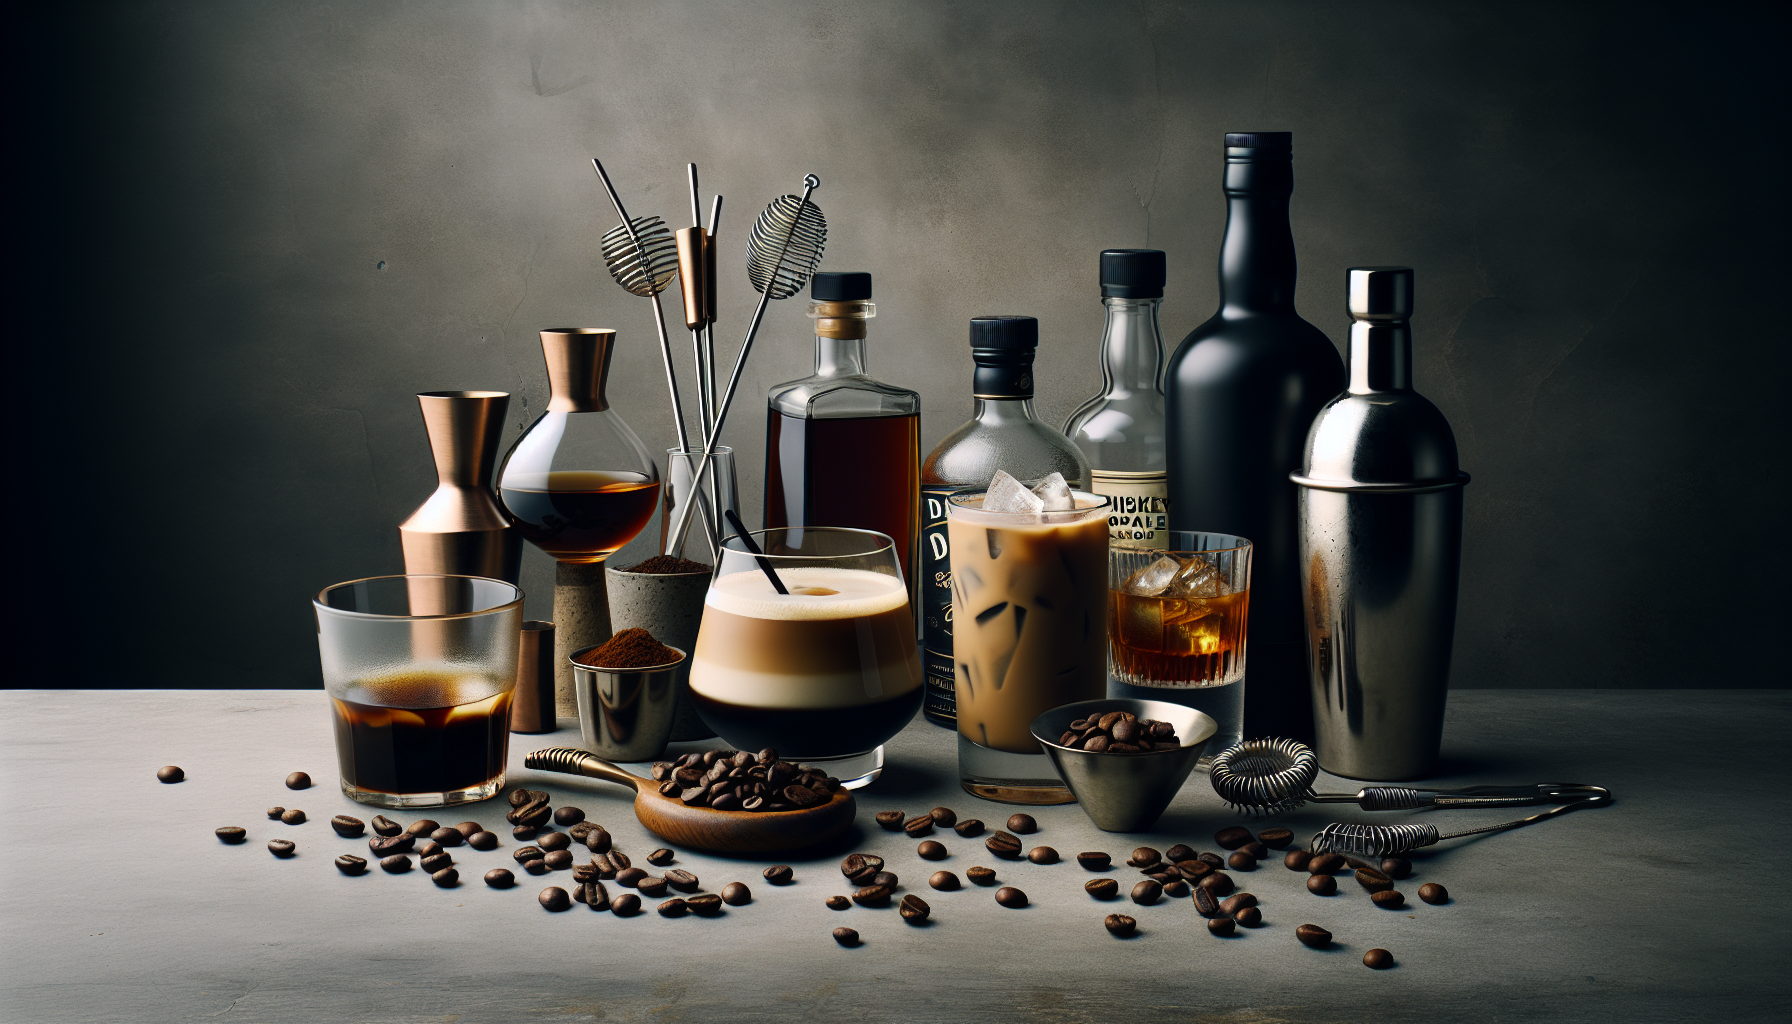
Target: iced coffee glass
[[823, 674], [1029, 591], [420, 672], [1176, 627]]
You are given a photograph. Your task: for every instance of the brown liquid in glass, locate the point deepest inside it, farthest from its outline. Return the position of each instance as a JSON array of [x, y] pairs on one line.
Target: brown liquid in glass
[[582, 516], [436, 749], [862, 472]]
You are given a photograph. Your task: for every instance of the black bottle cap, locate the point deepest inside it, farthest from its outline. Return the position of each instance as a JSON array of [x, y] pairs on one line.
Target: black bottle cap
[[1260, 140], [1132, 273], [840, 286], [1002, 347]]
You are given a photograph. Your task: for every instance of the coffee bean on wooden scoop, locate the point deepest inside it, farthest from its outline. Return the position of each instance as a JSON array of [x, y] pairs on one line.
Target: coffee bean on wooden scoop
[[1388, 899], [891, 820], [348, 827], [1233, 837], [1102, 888], [1396, 867], [1373, 880], [969, 827], [274, 813], [483, 841], [1003, 845], [293, 817], [918, 826], [1314, 936], [349, 864], [397, 864], [170, 774], [1022, 824], [779, 874], [385, 826], [500, 878], [1094, 860], [1120, 926], [1144, 857], [839, 903], [1241, 861], [846, 936], [980, 875], [298, 780], [230, 835], [435, 863], [626, 905], [1147, 892], [914, 909], [564, 816], [1176, 889], [736, 894], [1222, 926], [944, 881], [281, 847], [930, 850], [555, 899], [1042, 855], [944, 817], [1219, 883], [660, 857], [1378, 959], [1322, 885], [448, 837], [1297, 860], [1326, 864], [1010, 897], [1434, 894], [1206, 903], [1275, 838]]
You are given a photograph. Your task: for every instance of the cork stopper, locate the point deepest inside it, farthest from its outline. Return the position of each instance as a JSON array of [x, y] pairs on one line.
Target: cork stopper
[[843, 320]]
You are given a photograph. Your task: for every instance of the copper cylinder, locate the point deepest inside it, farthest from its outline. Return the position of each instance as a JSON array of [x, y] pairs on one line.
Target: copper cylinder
[[693, 271], [532, 705], [461, 530]]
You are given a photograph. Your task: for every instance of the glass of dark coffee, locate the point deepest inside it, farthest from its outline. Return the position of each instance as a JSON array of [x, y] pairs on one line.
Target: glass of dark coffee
[[420, 672], [825, 673]]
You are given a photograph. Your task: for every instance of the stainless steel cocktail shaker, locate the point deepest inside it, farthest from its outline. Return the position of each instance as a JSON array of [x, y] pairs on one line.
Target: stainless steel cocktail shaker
[[1380, 507]]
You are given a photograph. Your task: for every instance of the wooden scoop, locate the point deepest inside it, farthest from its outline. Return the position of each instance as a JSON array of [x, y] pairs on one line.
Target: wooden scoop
[[704, 828]]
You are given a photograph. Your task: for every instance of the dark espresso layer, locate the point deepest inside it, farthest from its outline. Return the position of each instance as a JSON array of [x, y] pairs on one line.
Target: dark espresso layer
[[798, 734]]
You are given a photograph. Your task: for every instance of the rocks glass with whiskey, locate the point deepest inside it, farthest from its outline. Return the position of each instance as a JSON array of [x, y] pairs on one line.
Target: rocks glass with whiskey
[[1176, 627]]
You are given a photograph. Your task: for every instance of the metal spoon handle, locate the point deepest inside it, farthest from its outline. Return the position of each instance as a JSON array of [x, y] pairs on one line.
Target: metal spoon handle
[[573, 761]]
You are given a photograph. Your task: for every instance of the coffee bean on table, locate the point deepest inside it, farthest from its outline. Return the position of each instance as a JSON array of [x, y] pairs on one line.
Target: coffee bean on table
[[231, 835], [429, 849], [281, 847], [274, 813], [873, 896], [349, 864], [980, 875], [525, 853], [921, 825], [1102, 888], [1211, 859], [1042, 855], [1206, 903], [706, 905], [1119, 925], [1396, 867], [1249, 917], [779, 874], [536, 866], [839, 903], [1434, 894], [891, 820], [1094, 860], [1378, 959], [524, 832], [467, 829], [555, 899], [1147, 892], [885, 878], [969, 827], [681, 880], [1179, 852], [500, 878], [598, 841], [736, 894], [568, 816], [421, 827], [385, 826], [298, 780], [1275, 838], [846, 936], [1257, 850], [447, 837], [1326, 864], [630, 876], [626, 905], [592, 893], [1163, 874], [661, 857], [944, 881], [1010, 897], [170, 774], [913, 909], [673, 907], [860, 866], [552, 841], [435, 863], [1388, 899], [1194, 870], [1003, 845], [1241, 861], [944, 817], [447, 878], [1233, 904], [397, 864], [1176, 890], [1222, 926], [1322, 885], [348, 827], [1233, 837], [483, 841], [293, 817], [1023, 824], [1297, 860], [930, 850], [1373, 880], [1219, 883], [1144, 857], [1313, 935]]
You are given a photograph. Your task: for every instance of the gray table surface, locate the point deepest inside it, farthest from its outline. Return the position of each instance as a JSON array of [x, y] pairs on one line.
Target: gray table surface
[[118, 904]]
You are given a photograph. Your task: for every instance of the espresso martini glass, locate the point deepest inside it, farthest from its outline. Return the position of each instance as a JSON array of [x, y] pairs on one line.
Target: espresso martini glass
[[824, 674]]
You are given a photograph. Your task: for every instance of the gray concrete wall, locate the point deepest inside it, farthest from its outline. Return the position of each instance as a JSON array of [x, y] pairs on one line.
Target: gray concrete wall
[[254, 230]]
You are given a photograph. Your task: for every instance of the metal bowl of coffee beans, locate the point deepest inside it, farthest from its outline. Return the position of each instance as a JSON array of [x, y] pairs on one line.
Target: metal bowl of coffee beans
[[1123, 790]]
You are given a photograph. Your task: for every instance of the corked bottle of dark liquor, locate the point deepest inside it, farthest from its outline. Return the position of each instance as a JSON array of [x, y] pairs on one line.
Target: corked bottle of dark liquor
[[1239, 395]]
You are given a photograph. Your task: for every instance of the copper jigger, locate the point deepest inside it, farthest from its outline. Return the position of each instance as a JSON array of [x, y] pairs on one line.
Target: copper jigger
[[460, 530], [532, 705]]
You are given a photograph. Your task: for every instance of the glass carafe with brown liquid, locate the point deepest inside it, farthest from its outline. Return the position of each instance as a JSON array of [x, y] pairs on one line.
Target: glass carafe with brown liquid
[[842, 448], [578, 485]]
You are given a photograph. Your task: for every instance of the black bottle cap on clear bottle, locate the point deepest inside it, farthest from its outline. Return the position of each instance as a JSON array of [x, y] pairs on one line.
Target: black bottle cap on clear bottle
[[840, 286], [1002, 347], [1132, 273], [1260, 140]]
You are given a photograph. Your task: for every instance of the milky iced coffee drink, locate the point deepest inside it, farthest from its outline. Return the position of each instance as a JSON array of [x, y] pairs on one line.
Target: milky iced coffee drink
[[825, 673], [1029, 590]]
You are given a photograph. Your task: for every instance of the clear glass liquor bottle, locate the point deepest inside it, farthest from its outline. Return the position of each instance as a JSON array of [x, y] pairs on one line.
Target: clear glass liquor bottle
[[1121, 430], [1004, 433]]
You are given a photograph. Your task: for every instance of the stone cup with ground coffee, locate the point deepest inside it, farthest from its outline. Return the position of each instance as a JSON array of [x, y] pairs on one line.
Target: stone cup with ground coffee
[[627, 695]]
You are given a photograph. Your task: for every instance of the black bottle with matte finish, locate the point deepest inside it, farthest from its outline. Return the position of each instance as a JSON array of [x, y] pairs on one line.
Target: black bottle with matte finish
[[1239, 395]]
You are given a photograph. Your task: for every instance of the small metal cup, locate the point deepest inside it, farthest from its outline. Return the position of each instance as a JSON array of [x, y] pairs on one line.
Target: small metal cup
[[1125, 792], [626, 714]]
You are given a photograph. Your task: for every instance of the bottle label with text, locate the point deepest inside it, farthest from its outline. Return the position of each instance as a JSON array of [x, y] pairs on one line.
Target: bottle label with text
[[1141, 516], [941, 699]]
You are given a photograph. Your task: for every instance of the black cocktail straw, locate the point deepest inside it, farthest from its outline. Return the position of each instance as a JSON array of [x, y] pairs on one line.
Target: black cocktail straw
[[765, 563]]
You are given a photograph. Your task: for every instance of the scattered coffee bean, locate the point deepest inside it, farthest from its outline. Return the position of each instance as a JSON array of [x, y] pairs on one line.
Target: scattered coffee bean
[[1119, 925], [1378, 959], [293, 817], [1219, 883], [170, 774], [429, 848], [421, 827], [554, 841], [348, 827], [500, 878], [1231, 905], [447, 878], [1275, 838], [626, 905], [1233, 837], [230, 835], [1003, 845], [298, 780], [1147, 892], [1373, 880], [930, 850], [944, 817], [1042, 855], [1094, 860], [1249, 917], [1388, 899], [592, 893], [706, 905], [1144, 857], [435, 863], [1222, 926], [274, 813], [1194, 870], [385, 846], [597, 841], [916, 827], [736, 894], [891, 820], [1176, 889], [874, 896], [1102, 888], [1211, 859], [683, 881], [555, 899], [448, 837], [846, 936], [630, 876], [1022, 824], [483, 841], [1434, 894], [564, 816], [1163, 874], [661, 857], [913, 909], [468, 829], [1010, 897], [1257, 850], [944, 881], [1241, 861], [1179, 852], [349, 864], [524, 853], [1206, 903], [397, 864], [980, 875], [1396, 867], [536, 866], [385, 826], [969, 827], [1325, 864], [1314, 936], [1297, 860], [673, 907], [779, 874], [859, 867], [839, 903], [1322, 885], [524, 832]]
